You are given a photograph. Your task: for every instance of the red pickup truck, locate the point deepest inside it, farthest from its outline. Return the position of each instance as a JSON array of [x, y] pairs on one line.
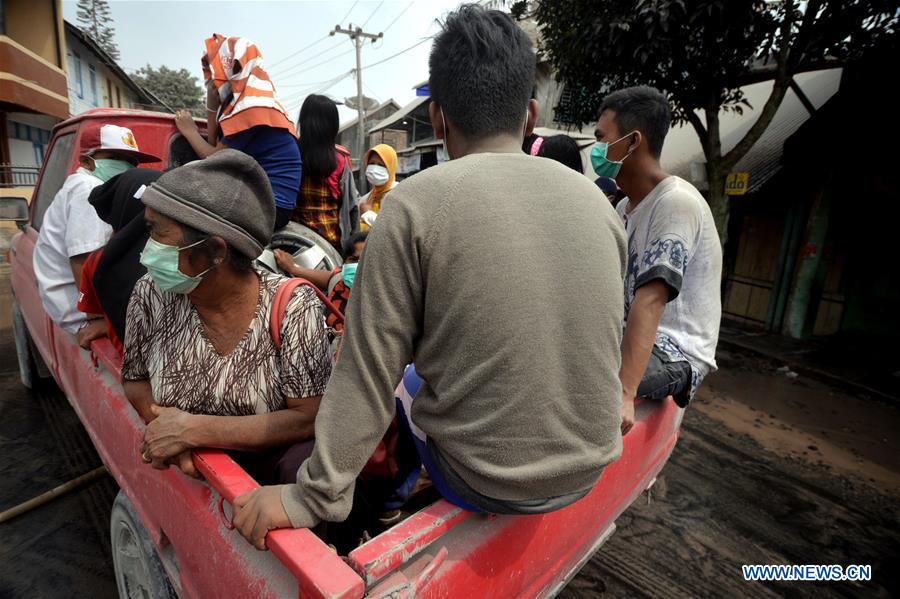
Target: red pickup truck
[[171, 535]]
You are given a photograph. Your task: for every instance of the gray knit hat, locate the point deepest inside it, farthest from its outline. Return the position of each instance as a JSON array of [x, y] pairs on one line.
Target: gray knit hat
[[227, 194]]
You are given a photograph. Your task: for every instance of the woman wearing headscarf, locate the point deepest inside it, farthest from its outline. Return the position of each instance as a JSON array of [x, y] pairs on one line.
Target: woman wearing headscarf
[[201, 365], [110, 273], [328, 200], [381, 173], [241, 103]]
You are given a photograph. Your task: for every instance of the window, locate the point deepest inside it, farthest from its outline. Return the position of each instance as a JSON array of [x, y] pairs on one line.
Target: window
[[79, 82], [95, 96], [118, 97], [39, 149], [56, 169], [109, 93]]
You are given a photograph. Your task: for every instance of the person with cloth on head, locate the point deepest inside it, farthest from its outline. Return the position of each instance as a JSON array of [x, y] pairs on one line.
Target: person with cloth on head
[[328, 202], [672, 311], [110, 273], [241, 104], [381, 173], [516, 407], [200, 365], [71, 229]]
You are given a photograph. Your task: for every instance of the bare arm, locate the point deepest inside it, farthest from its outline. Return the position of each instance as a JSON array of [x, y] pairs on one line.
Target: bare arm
[[317, 277], [175, 431], [212, 110], [140, 395], [185, 123], [640, 333], [77, 264]]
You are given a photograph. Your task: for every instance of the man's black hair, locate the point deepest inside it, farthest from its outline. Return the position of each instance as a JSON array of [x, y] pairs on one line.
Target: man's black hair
[[482, 72], [643, 108], [358, 237]]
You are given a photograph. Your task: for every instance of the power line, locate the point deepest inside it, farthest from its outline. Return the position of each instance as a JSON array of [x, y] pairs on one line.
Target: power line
[[318, 41], [303, 49], [373, 14], [304, 85], [397, 18], [308, 89], [348, 12], [374, 93], [324, 62], [391, 57], [291, 68], [298, 101]]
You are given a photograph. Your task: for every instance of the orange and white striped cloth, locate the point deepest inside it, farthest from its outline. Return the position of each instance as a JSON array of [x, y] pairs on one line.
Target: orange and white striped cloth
[[248, 95]]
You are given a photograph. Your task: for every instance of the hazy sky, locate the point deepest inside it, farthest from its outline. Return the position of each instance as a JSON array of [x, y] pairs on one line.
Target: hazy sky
[[172, 33]]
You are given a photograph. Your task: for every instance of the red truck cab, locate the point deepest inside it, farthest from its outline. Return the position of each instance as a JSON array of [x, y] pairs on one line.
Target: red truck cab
[[171, 535]]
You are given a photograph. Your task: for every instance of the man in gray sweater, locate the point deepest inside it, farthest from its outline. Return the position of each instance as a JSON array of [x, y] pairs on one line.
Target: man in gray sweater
[[520, 396]]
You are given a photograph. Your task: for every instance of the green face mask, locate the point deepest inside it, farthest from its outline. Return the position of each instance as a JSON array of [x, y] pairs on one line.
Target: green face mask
[[348, 273], [603, 166], [107, 168], [161, 261]]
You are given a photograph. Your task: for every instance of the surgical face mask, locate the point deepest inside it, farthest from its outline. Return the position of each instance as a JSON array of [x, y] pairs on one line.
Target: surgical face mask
[[377, 175], [161, 261], [348, 273], [603, 166], [107, 168]]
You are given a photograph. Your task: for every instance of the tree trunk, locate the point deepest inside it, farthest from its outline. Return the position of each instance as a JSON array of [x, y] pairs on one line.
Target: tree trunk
[[718, 200]]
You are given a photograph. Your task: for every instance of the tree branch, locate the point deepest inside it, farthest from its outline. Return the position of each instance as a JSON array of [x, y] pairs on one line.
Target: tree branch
[[699, 127], [779, 89]]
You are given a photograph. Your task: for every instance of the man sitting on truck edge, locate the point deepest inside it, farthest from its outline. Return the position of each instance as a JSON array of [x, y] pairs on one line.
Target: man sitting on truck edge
[[518, 408], [672, 312], [71, 229]]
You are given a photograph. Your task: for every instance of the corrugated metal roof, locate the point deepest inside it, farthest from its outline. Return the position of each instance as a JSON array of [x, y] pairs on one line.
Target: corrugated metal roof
[[387, 122], [682, 147], [352, 122]]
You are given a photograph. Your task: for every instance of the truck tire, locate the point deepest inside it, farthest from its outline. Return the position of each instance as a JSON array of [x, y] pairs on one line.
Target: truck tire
[[139, 571], [31, 366], [310, 249]]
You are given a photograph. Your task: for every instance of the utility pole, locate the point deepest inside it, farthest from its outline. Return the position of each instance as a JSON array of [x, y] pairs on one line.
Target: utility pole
[[359, 37]]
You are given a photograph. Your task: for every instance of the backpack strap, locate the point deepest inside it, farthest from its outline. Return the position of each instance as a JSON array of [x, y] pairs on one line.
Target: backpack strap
[[280, 302]]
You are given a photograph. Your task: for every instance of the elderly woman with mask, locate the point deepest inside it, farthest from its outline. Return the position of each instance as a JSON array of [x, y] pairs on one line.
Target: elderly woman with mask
[[200, 364]]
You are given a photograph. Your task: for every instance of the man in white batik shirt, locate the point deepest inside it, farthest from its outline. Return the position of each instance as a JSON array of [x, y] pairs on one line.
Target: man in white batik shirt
[[673, 276]]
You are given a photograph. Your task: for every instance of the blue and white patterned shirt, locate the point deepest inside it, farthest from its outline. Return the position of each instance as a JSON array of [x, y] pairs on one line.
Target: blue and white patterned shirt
[[672, 237]]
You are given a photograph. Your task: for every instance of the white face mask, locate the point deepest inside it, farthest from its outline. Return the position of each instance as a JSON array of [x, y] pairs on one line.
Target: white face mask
[[377, 175]]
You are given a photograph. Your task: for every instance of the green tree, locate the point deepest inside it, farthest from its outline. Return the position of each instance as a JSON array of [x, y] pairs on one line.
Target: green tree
[[178, 89], [95, 19], [701, 52]]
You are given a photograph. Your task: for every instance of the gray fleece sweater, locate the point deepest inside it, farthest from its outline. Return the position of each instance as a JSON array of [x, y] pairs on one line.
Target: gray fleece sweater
[[502, 274]]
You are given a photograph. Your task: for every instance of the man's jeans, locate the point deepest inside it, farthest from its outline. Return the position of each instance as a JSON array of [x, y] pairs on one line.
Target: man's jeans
[[663, 378]]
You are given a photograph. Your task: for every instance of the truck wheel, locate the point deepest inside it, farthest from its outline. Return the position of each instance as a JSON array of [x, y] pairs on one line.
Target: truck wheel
[[139, 571], [310, 249], [31, 366]]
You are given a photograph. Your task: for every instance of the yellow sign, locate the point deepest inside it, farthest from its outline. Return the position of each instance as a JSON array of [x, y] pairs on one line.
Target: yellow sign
[[737, 183]]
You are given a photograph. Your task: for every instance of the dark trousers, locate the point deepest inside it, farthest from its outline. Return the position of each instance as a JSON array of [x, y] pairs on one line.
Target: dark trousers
[[276, 466], [664, 377]]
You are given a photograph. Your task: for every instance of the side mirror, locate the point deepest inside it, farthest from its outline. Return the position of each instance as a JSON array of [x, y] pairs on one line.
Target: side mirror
[[14, 209]]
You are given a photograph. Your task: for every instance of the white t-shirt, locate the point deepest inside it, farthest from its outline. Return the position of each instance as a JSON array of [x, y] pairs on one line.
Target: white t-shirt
[[672, 236], [71, 227]]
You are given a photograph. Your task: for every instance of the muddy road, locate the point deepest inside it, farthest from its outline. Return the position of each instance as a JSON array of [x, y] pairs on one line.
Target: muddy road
[[769, 470]]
